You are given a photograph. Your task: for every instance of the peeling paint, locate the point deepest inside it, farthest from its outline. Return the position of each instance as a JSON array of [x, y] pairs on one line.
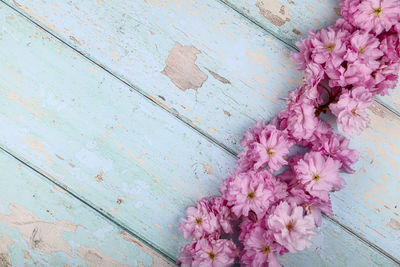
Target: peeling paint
[[94, 257], [75, 40], [394, 224], [5, 241], [218, 77], [296, 31], [274, 11], [182, 69], [99, 177], [157, 260], [44, 236], [208, 168]]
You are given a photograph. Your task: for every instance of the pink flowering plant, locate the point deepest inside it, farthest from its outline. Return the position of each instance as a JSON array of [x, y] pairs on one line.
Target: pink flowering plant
[[272, 202]]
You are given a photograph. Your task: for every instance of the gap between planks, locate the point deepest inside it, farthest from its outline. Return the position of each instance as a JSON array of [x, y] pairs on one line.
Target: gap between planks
[[174, 113], [87, 203]]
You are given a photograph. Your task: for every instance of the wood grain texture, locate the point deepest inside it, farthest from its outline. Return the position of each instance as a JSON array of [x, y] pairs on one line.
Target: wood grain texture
[[87, 130], [42, 225], [291, 20]]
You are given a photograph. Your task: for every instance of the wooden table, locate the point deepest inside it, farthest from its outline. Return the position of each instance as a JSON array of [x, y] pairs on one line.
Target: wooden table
[[116, 115]]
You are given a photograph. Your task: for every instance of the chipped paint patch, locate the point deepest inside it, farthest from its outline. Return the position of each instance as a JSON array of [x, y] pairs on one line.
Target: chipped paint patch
[[157, 260], [274, 11], [99, 177], [296, 31], [75, 40], [218, 77], [5, 241], [394, 224], [208, 168], [94, 257], [181, 67], [38, 146], [43, 236]]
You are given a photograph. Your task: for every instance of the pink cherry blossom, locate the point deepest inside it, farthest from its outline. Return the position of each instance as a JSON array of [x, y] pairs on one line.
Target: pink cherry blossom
[[222, 212], [350, 110], [253, 191], [271, 150], [347, 10], [200, 221], [329, 46], [304, 57], [384, 78], [390, 47], [300, 119], [319, 174], [260, 249], [208, 252], [337, 147], [214, 253], [288, 167], [364, 48], [377, 15], [186, 255], [290, 227]]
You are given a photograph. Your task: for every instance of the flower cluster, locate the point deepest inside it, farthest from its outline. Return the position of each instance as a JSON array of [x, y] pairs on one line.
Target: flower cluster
[[288, 168]]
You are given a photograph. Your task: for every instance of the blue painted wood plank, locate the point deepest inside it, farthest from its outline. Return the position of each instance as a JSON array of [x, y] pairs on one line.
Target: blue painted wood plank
[[87, 130], [42, 225]]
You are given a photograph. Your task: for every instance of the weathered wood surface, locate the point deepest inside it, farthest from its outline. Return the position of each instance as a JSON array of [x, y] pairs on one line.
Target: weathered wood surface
[[83, 125], [291, 20], [42, 225]]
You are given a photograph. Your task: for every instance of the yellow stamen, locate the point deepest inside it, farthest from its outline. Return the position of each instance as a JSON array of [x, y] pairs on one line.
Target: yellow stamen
[[330, 47], [251, 195], [212, 255], [316, 177], [377, 11], [290, 226], [266, 249], [270, 152]]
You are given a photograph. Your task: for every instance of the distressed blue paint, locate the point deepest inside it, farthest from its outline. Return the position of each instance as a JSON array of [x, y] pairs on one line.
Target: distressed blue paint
[[26, 192], [71, 92]]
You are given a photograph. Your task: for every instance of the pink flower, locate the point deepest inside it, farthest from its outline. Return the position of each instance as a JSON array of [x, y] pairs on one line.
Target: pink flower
[[246, 226], [337, 147], [319, 175], [377, 15], [301, 120], [329, 46], [222, 212], [200, 221], [186, 255], [304, 57], [212, 252], [253, 191], [358, 57], [271, 149], [384, 78], [290, 227], [252, 135], [260, 249], [390, 46], [312, 205], [347, 9], [342, 24], [314, 74], [364, 48], [350, 110]]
